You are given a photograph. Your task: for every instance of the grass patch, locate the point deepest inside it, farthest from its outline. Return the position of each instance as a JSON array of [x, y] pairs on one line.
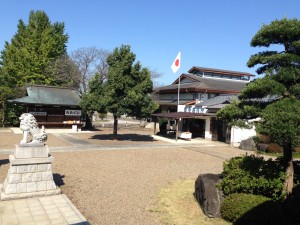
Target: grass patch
[[177, 205]]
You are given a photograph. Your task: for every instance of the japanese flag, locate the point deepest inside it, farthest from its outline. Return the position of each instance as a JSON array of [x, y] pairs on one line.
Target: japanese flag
[[176, 64]]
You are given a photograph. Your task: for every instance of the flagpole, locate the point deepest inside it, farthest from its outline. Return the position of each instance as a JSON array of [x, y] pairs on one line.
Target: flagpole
[[175, 67], [178, 93], [177, 121]]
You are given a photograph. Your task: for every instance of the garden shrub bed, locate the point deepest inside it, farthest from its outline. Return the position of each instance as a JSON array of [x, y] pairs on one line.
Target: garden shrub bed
[[238, 204], [253, 192], [253, 175]]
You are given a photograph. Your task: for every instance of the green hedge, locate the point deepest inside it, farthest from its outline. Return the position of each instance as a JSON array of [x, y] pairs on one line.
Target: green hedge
[[236, 205], [253, 175]]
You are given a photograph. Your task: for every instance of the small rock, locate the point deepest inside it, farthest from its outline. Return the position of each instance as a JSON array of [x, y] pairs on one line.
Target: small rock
[[262, 147], [247, 144]]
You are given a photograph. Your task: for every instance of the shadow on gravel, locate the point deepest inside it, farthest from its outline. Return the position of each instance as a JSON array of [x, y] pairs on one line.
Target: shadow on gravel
[[4, 161], [83, 223], [124, 137], [58, 179], [91, 129]]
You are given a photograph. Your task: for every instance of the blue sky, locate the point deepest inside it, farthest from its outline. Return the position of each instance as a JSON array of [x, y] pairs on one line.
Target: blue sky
[[213, 34]]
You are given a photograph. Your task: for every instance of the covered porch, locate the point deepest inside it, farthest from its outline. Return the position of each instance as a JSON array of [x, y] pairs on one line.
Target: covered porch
[[187, 125]]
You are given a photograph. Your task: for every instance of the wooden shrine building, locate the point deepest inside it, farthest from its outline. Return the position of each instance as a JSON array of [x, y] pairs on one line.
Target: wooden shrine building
[[52, 106]]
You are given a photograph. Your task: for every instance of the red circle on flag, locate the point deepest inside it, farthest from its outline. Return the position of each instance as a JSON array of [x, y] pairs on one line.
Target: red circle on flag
[[177, 62]]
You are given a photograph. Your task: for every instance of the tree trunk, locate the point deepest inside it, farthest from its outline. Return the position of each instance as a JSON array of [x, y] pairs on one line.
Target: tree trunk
[[288, 159], [88, 121], [3, 114], [115, 132]]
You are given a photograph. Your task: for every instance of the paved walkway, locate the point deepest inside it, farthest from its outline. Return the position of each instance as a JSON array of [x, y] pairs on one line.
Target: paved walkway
[[72, 139], [82, 145], [55, 209]]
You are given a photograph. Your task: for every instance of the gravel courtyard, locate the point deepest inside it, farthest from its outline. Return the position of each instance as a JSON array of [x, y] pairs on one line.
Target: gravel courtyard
[[119, 186]]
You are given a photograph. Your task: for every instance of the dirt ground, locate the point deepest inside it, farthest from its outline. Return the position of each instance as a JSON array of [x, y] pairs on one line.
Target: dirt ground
[[101, 136], [119, 186], [8, 139]]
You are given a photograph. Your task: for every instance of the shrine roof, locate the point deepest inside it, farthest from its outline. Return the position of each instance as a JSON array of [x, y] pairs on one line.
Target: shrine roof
[[49, 95]]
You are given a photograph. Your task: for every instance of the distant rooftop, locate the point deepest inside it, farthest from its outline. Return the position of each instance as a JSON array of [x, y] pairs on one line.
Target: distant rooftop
[[218, 73], [205, 84], [49, 95], [196, 69], [221, 99]]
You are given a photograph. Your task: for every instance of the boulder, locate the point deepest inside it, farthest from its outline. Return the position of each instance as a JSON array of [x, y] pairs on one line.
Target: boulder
[[262, 147], [247, 144], [208, 195]]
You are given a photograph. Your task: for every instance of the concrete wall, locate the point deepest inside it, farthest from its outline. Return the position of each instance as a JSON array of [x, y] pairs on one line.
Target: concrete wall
[[239, 134]]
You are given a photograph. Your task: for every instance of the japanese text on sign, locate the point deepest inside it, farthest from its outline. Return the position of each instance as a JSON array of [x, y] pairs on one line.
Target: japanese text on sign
[[72, 112]]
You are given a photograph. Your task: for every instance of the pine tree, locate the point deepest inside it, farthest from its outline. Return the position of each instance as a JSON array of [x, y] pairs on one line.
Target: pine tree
[[275, 97]]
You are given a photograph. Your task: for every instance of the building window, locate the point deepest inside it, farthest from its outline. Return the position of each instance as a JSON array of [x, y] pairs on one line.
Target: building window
[[245, 78], [208, 75], [220, 75], [212, 95], [226, 76]]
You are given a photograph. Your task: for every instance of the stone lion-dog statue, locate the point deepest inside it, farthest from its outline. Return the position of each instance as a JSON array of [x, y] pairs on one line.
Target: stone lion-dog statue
[[29, 126]]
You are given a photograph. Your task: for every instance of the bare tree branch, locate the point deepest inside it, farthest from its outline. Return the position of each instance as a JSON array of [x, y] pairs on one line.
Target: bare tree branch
[[89, 60], [102, 67], [64, 72], [155, 74]]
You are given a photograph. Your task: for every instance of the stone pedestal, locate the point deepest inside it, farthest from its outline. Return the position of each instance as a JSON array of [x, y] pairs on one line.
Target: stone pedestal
[[30, 174]]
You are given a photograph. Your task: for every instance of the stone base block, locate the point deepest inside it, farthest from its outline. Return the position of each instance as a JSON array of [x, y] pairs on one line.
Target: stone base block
[[29, 194], [29, 177], [17, 161], [22, 152]]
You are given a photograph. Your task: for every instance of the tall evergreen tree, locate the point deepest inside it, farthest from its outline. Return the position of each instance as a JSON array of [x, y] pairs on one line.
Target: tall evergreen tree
[[26, 58], [126, 90], [275, 97], [32, 57], [128, 87]]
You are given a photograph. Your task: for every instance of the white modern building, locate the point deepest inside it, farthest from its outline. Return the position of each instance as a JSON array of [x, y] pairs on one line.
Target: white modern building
[[202, 92]]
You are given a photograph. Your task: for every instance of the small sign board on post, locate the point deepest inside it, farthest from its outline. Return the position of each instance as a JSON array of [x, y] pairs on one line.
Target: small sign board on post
[[38, 113], [71, 112]]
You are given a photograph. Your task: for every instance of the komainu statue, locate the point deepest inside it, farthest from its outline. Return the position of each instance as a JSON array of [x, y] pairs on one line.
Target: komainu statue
[[29, 126]]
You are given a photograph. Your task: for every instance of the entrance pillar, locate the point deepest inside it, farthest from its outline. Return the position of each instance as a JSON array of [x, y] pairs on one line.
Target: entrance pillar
[[208, 134]]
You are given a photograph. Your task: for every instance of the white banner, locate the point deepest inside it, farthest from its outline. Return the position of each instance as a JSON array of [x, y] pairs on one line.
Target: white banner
[[71, 112]]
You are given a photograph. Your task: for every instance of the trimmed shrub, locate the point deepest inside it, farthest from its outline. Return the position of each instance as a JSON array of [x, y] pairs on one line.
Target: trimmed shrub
[[264, 138], [236, 205], [274, 148], [163, 125], [296, 149], [253, 175], [248, 209], [291, 208], [257, 139]]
